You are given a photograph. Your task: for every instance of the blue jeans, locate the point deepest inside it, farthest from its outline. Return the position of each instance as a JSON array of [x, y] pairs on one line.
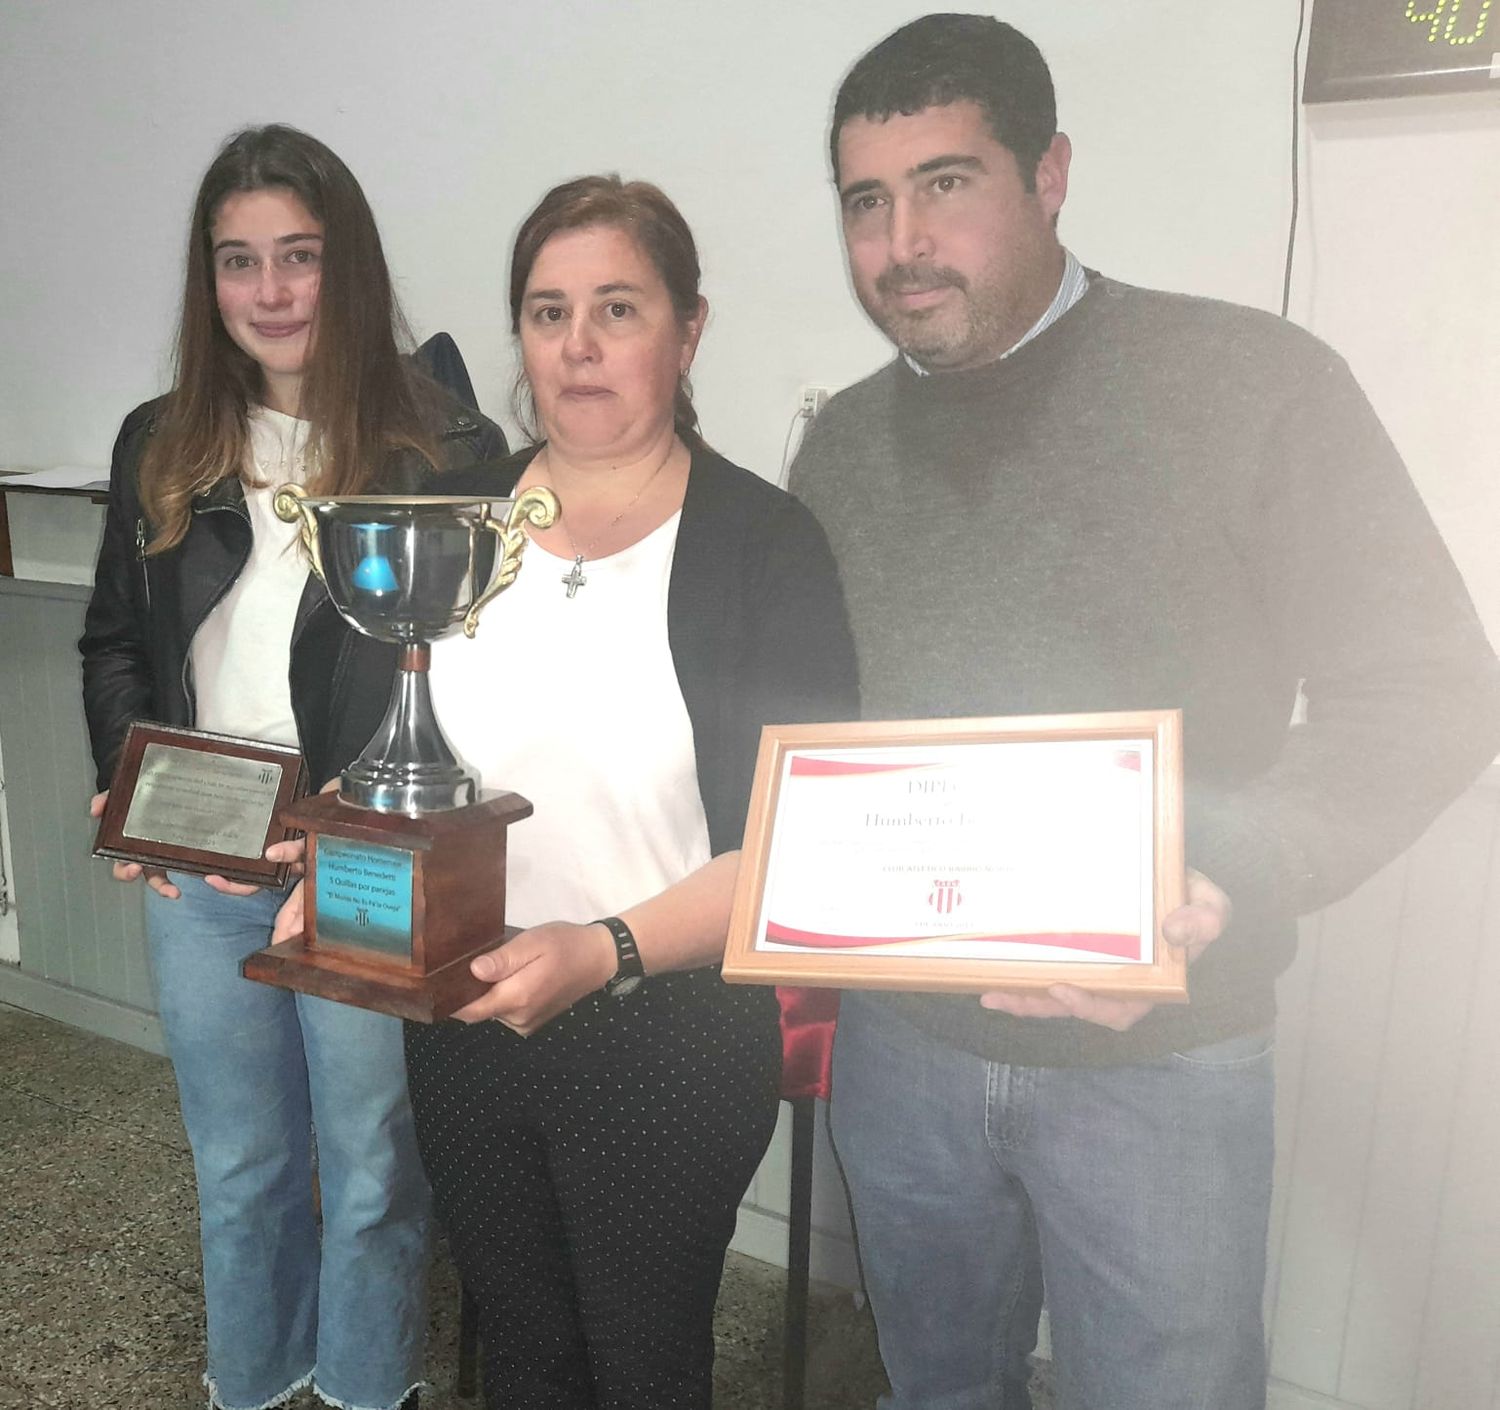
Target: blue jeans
[[257, 1070], [1139, 1195]]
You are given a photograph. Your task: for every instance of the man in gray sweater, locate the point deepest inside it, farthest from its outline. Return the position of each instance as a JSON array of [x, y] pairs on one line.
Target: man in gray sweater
[[1067, 494]]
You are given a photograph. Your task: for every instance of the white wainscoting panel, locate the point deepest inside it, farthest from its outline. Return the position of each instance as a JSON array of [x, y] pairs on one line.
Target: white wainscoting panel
[[1384, 1291]]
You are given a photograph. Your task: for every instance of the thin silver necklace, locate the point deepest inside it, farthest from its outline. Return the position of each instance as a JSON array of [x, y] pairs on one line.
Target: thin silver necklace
[[574, 578]]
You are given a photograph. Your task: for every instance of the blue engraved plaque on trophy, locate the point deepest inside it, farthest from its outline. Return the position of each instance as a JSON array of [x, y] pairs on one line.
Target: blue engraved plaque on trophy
[[364, 895]]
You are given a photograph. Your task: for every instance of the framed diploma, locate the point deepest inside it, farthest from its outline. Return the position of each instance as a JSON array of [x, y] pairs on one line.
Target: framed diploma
[[193, 801], [965, 855]]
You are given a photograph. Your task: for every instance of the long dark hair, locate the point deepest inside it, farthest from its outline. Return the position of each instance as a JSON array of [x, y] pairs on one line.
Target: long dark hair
[[648, 216], [359, 396]]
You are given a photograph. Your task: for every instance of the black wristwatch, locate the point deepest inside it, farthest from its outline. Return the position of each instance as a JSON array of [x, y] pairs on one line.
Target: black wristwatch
[[630, 970]]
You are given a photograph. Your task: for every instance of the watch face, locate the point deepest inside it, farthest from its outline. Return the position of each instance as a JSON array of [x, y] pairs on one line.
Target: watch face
[[622, 985]]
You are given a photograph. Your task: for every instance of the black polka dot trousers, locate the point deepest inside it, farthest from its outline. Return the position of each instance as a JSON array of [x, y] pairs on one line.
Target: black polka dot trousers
[[588, 1179]]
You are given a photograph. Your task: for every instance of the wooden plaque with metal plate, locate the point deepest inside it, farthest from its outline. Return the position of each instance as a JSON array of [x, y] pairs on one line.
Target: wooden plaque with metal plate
[[406, 862], [191, 800]]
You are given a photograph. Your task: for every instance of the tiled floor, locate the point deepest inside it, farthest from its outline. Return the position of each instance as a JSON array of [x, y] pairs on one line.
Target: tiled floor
[[100, 1302]]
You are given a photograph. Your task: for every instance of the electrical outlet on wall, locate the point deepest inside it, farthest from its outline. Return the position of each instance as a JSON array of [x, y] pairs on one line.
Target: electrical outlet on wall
[[814, 399]]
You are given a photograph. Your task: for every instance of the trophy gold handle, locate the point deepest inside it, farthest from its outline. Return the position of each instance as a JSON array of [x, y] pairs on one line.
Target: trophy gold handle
[[537, 507], [290, 505]]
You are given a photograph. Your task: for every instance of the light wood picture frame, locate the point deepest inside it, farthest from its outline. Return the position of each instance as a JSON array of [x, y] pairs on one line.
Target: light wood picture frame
[[839, 885]]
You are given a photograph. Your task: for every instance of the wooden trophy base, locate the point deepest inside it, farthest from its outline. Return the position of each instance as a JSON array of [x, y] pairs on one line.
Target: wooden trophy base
[[342, 976], [396, 906]]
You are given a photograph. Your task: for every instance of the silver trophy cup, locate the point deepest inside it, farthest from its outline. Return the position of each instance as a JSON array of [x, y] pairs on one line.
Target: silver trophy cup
[[409, 569]]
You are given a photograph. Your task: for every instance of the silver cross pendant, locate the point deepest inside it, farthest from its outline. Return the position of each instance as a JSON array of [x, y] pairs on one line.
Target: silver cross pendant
[[573, 579]]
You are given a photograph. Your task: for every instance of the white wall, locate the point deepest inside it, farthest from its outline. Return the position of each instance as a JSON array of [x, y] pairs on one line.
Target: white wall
[[457, 114], [1401, 272]]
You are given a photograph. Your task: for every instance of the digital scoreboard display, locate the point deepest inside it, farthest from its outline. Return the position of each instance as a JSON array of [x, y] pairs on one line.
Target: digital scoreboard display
[[1388, 48]]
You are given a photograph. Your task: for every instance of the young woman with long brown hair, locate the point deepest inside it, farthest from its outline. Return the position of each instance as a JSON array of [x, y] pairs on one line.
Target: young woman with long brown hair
[[204, 613]]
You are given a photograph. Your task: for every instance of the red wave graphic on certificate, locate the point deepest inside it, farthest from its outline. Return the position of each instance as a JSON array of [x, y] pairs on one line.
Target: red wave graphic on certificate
[[810, 766], [1118, 947]]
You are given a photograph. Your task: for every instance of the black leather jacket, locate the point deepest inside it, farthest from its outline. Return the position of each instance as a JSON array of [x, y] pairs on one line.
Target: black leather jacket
[[144, 611]]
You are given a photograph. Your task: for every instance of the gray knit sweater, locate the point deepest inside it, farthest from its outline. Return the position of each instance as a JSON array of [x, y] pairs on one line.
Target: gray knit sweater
[[1167, 502]]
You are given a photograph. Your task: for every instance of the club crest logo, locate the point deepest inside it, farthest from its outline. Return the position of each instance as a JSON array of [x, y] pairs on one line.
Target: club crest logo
[[945, 897]]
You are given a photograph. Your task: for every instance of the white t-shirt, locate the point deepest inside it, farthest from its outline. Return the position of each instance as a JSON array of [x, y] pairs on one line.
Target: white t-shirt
[[574, 704], [242, 652]]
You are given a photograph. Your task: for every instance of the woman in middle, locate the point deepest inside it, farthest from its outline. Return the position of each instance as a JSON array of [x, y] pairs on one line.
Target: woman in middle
[[588, 1150]]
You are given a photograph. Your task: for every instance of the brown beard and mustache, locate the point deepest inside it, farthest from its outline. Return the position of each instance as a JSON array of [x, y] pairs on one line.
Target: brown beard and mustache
[[918, 279]]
